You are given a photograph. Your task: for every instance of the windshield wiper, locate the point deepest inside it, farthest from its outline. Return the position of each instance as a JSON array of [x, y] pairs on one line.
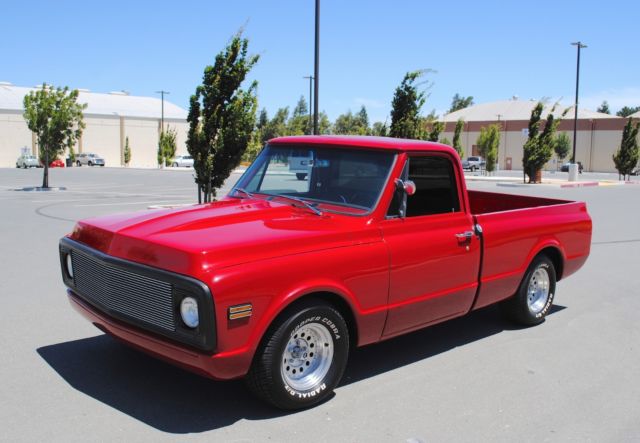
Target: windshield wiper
[[243, 191], [298, 200]]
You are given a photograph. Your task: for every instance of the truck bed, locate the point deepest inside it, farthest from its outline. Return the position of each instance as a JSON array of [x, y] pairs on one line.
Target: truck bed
[[487, 202], [516, 228]]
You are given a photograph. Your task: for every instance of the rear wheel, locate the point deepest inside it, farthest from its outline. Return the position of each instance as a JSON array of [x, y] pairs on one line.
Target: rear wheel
[[302, 357], [531, 304], [301, 175], [90, 164]]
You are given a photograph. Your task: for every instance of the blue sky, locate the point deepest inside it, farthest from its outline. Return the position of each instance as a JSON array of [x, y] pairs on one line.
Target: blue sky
[[491, 50]]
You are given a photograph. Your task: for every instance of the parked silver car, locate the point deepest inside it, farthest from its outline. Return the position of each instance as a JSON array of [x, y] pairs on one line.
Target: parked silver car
[[89, 159], [473, 163], [27, 161], [182, 161]]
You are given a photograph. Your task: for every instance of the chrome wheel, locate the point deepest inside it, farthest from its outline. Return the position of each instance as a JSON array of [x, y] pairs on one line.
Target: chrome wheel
[[307, 357], [538, 290]]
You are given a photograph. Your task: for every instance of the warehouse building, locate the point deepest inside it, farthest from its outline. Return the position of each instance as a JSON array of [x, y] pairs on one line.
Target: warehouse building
[[109, 118], [598, 135]]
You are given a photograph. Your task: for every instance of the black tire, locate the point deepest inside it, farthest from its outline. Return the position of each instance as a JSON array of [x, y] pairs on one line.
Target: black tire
[[267, 379], [472, 168], [89, 164], [175, 165], [521, 307], [78, 164], [301, 175]]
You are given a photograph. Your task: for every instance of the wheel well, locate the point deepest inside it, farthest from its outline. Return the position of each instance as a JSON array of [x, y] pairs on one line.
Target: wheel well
[[338, 303], [556, 258]]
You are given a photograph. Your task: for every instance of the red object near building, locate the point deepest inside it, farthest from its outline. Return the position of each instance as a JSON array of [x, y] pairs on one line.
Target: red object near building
[[281, 278]]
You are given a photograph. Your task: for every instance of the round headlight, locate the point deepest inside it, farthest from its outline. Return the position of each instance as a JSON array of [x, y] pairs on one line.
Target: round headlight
[[189, 312], [69, 265]]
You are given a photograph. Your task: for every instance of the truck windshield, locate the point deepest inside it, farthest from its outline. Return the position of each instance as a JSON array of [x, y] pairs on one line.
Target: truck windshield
[[339, 177]]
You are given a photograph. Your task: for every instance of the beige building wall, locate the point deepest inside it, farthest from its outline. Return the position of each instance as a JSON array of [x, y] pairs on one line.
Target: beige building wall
[[102, 136], [143, 141], [597, 141], [14, 135]]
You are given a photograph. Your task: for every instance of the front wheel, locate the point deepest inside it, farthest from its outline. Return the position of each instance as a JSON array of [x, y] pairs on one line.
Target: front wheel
[[531, 304], [302, 357]]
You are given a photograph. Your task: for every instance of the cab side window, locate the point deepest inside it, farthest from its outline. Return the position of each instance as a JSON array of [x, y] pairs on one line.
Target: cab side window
[[436, 188]]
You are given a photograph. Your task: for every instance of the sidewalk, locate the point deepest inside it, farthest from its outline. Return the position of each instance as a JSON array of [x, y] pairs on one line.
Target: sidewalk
[[557, 182]]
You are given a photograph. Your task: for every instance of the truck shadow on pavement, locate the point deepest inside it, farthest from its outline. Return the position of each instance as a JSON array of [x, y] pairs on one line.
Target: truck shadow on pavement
[[176, 401]]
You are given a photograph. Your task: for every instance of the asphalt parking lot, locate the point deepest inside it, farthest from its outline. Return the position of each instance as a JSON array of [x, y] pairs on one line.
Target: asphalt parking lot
[[573, 378]]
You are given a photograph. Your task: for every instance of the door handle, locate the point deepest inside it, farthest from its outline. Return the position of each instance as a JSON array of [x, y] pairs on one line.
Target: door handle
[[464, 237]]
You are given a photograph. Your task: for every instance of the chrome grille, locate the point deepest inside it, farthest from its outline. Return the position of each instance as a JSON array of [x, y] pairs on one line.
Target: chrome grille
[[137, 296]]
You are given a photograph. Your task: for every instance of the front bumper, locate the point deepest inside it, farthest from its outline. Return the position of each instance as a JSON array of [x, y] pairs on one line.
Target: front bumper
[[222, 366]]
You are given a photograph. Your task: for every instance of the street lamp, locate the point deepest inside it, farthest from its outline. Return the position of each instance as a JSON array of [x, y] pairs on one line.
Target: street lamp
[[162, 93], [310, 77], [573, 167], [316, 73]]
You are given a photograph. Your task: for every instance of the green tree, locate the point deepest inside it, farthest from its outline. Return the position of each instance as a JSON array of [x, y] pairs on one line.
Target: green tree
[[457, 134], [562, 145], [626, 158], [406, 105], [445, 141], [127, 151], [627, 111], [431, 127], [263, 120], [254, 147], [301, 108], [604, 108], [363, 120], [167, 146], [352, 124], [55, 117], [488, 143], [298, 124], [379, 129], [458, 102], [538, 149], [72, 155], [277, 126], [222, 117], [324, 124]]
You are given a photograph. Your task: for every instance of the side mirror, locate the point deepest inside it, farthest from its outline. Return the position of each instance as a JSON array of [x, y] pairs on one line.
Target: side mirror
[[408, 186]]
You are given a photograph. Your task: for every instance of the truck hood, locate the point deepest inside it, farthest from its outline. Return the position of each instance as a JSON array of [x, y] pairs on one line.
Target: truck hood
[[200, 238]]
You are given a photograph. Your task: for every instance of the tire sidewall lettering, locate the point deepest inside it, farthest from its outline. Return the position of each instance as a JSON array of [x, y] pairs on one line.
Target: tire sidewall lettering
[[549, 302]]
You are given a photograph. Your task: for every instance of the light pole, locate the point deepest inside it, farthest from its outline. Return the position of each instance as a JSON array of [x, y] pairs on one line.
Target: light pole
[[573, 168], [310, 77], [316, 74], [162, 93]]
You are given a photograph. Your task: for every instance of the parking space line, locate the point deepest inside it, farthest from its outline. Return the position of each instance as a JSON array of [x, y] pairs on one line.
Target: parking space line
[[123, 204]]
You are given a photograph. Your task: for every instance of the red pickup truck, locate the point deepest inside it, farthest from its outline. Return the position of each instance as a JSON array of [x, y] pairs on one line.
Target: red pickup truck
[[282, 277]]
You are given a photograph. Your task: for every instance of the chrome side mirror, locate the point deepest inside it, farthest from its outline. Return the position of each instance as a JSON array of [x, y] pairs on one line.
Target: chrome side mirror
[[408, 186]]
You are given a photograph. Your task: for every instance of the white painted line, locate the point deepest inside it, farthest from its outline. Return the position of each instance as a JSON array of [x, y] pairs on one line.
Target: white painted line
[[130, 203]]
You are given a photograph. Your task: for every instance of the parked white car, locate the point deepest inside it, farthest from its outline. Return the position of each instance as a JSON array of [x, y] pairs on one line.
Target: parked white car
[[182, 161], [27, 161], [89, 159]]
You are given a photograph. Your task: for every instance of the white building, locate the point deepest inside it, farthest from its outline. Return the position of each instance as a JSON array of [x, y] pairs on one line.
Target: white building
[[598, 135], [110, 118]]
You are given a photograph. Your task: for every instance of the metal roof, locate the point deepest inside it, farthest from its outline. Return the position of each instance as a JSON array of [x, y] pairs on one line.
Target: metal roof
[[515, 110], [635, 115], [102, 104]]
